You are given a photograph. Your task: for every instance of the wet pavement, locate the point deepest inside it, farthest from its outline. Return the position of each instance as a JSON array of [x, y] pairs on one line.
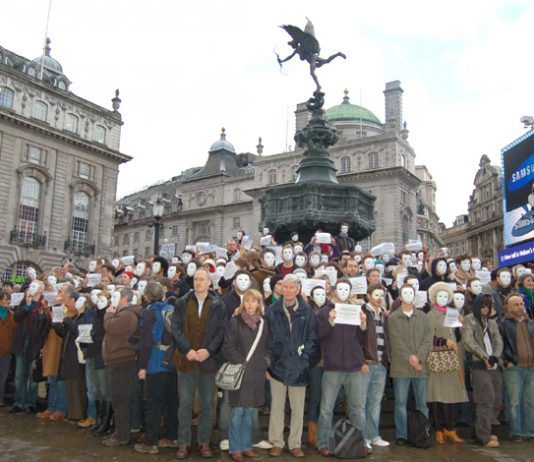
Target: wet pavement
[[26, 438]]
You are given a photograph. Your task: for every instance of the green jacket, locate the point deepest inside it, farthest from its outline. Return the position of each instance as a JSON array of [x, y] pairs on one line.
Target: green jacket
[[473, 338]]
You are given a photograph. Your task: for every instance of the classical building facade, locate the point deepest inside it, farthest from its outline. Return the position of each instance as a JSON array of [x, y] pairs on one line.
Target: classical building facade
[[58, 171], [480, 231], [211, 203]]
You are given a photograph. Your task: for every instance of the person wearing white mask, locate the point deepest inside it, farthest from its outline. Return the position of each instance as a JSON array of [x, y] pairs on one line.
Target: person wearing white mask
[[445, 388], [185, 284], [159, 267], [315, 260], [474, 288], [439, 272], [266, 267], [287, 265], [301, 260], [187, 256], [410, 340], [343, 240], [501, 291], [344, 363], [267, 287], [464, 270]]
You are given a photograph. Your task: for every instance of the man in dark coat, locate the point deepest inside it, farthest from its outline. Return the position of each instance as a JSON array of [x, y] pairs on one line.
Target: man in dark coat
[[293, 349]]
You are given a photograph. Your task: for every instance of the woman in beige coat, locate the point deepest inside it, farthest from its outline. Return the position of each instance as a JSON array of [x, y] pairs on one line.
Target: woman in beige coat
[[444, 388]]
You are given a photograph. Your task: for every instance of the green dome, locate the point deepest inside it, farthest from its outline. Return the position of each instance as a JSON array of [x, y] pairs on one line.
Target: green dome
[[347, 111]]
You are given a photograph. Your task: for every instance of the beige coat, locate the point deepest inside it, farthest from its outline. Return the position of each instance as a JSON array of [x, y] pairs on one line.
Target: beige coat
[[51, 354]]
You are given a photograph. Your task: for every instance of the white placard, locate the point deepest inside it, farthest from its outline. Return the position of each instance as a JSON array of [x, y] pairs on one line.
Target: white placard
[[323, 238], [229, 270], [484, 276], [93, 279], [348, 314], [309, 284], [246, 242], [84, 333], [358, 285], [50, 297], [221, 253], [167, 250], [400, 280], [191, 248], [128, 259], [265, 240], [453, 285], [451, 318], [215, 278], [16, 298], [203, 247], [414, 246], [57, 313], [421, 298], [528, 270], [381, 249], [388, 281]]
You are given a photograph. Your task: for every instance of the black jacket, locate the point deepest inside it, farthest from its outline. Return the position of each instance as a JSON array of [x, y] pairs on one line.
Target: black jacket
[[508, 328]]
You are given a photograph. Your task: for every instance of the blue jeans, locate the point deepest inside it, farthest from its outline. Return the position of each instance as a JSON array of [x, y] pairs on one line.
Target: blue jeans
[[224, 415], [89, 377], [519, 389], [25, 387], [136, 405], [332, 383], [316, 377], [57, 395], [240, 434], [401, 387], [373, 390], [187, 385]]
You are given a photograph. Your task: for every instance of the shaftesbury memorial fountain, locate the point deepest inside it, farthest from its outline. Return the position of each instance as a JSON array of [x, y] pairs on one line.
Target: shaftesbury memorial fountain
[[315, 200]]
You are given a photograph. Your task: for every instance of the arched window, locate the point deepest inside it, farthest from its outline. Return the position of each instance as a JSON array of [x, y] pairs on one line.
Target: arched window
[[80, 222], [271, 176], [100, 134], [6, 97], [40, 110], [71, 123], [345, 164], [29, 210], [373, 160]]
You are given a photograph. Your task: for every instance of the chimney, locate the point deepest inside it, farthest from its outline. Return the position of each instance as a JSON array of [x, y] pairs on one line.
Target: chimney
[[393, 97], [302, 115]]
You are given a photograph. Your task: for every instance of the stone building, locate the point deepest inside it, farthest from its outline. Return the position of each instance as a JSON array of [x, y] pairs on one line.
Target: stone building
[[213, 202], [58, 171], [480, 232]]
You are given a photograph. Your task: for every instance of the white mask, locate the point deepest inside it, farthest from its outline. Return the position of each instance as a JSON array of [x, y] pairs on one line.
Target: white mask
[[219, 270], [406, 261], [407, 295], [102, 302], [94, 295], [324, 258], [52, 280], [33, 288], [115, 263], [343, 291], [300, 261], [191, 268], [315, 260], [133, 282], [369, 263], [476, 287], [442, 298], [420, 256], [171, 272], [358, 258], [267, 286], [344, 229], [265, 231], [414, 283], [92, 266], [141, 287], [80, 303], [452, 267], [287, 255], [377, 297], [298, 248], [239, 235], [268, 259], [32, 274], [380, 268], [331, 272], [475, 263], [358, 248], [520, 271], [175, 260], [242, 282], [301, 274], [111, 287], [186, 258], [68, 276], [386, 258], [441, 268], [295, 237], [156, 267], [115, 299], [140, 269], [458, 300], [465, 265], [319, 297], [505, 278]]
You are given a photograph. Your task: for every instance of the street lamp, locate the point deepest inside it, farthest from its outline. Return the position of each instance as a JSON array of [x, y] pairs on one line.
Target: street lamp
[[157, 210]]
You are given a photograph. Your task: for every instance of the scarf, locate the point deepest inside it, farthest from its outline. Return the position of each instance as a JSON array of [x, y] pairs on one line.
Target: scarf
[[443, 309], [251, 320], [3, 312]]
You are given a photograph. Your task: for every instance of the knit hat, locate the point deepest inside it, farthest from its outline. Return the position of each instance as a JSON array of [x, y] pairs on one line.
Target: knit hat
[[274, 279], [130, 274]]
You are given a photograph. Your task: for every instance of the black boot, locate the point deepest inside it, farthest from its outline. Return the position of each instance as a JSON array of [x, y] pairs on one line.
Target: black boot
[[107, 415], [98, 406]]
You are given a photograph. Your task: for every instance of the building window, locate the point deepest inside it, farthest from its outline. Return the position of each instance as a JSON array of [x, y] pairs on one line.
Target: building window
[[236, 223], [29, 209], [35, 155], [403, 161], [85, 171], [202, 228], [147, 251], [40, 110], [361, 135], [345, 164], [136, 236], [148, 234], [271, 176], [6, 97], [175, 230], [71, 123], [125, 239], [62, 85], [80, 222], [100, 134], [237, 195], [373, 160], [405, 229], [115, 241]]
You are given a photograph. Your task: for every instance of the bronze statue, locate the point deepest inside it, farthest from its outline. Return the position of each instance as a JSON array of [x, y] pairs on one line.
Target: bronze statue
[[307, 47]]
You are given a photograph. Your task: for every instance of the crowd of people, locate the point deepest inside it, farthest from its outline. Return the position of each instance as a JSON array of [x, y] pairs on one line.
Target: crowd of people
[[128, 346]]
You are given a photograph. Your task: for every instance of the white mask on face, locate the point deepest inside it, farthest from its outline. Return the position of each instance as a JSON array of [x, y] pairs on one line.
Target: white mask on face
[[133, 282], [92, 266], [267, 286], [458, 300], [239, 235], [315, 260], [68, 276], [324, 259], [111, 287], [186, 258], [297, 249], [191, 268], [295, 237], [441, 268], [33, 288], [115, 263], [242, 282], [32, 274], [331, 272], [219, 270], [301, 274], [156, 267], [80, 303], [343, 291], [406, 261], [287, 255], [520, 271], [171, 272], [141, 287], [358, 258], [319, 297], [475, 263], [52, 280], [265, 231], [505, 279], [420, 256], [115, 299], [94, 295], [442, 298], [414, 283], [369, 263], [377, 297], [407, 295], [175, 260], [476, 287], [380, 268], [102, 302], [268, 259], [465, 265], [452, 267], [386, 258], [300, 261], [140, 269], [344, 229]]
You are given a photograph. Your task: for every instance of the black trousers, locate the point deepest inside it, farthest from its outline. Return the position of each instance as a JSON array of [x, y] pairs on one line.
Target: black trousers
[[120, 378]]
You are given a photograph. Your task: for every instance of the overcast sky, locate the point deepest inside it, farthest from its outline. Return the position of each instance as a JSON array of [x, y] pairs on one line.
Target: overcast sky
[[186, 69]]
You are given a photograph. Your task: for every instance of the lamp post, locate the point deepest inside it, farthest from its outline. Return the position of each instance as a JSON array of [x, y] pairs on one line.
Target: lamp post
[[157, 211]]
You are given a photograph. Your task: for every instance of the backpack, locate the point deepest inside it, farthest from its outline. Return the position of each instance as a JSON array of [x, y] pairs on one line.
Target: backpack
[[346, 441], [419, 431]]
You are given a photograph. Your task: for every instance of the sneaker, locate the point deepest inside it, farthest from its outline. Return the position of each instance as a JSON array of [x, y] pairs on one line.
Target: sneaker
[[57, 417], [224, 445], [263, 444], [44, 415], [379, 442], [88, 422], [146, 449], [166, 443], [492, 444]]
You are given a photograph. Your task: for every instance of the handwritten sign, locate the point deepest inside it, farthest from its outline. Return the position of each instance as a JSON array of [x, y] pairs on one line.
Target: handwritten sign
[[309, 284], [128, 260], [246, 242], [57, 313], [348, 314], [16, 298], [93, 279], [451, 318], [421, 298], [359, 285], [323, 238]]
